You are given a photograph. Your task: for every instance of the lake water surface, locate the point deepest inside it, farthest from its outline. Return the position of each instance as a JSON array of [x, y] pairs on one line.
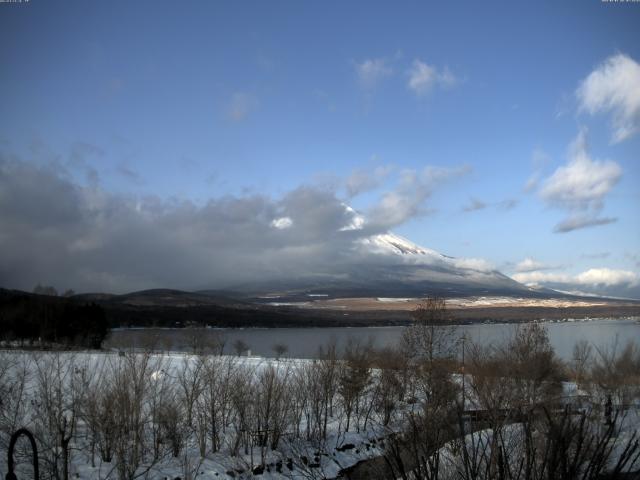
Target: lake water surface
[[304, 342]]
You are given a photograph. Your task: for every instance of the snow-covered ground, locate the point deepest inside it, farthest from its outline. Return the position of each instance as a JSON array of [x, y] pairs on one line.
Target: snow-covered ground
[[50, 377], [295, 457], [405, 303]]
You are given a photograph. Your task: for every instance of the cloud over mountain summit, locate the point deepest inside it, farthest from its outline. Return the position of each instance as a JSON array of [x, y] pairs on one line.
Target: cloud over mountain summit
[[58, 231]]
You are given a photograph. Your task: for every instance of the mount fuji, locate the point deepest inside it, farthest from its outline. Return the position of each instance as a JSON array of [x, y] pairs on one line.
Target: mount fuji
[[388, 265]]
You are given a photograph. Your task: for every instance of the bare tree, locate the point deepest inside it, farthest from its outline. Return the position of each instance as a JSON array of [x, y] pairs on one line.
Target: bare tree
[[280, 349], [174, 430], [218, 384], [271, 403], [354, 378], [432, 336], [130, 381], [532, 365], [15, 375], [430, 345], [201, 341], [242, 402], [215, 342], [240, 347], [160, 399], [616, 371], [546, 445], [390, 382], [45, 290], [57, 404], [580, 360], [91, 412], [189, 380], [329, 365]]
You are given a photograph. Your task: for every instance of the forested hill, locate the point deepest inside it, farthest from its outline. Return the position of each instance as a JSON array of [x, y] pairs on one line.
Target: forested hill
[[45, 319], [84, 319]]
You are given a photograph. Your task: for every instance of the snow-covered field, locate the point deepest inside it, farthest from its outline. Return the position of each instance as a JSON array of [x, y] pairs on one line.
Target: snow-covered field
[[393, 303], [44, 391], [169, 415]]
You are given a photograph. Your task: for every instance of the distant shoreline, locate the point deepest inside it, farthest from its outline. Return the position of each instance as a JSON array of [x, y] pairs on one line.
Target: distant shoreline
[[496, 316], [565, 320]]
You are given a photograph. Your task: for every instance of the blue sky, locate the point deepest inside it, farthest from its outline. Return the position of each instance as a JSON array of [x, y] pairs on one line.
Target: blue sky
[[198, 100]]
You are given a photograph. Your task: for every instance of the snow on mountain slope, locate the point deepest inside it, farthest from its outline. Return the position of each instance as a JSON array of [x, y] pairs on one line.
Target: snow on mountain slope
[[384, 264], [392, 243]]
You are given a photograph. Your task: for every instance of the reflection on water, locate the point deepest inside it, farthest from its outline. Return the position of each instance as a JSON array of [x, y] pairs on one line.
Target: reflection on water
[[304, 342]]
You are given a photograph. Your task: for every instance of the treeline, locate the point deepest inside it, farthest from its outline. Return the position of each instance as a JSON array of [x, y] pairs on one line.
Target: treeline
[[243, 316], [46, 320]]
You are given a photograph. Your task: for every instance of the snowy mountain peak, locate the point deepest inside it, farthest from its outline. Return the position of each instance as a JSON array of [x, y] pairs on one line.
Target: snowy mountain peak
[[392, 243], [386, 242]]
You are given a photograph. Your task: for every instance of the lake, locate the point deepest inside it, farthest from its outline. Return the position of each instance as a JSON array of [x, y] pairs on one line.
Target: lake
[[304, 342]]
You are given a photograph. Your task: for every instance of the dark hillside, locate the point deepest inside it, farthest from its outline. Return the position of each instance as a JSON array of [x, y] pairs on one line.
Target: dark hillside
[[47, 319]]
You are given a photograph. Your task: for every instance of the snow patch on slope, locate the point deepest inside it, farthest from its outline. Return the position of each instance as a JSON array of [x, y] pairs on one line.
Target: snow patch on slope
[[392, 243]]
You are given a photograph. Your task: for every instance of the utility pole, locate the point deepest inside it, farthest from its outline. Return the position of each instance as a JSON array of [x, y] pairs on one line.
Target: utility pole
[[464, 337]]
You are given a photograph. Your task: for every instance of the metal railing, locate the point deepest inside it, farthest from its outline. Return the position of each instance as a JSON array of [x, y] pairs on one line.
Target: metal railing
[[34, 450]]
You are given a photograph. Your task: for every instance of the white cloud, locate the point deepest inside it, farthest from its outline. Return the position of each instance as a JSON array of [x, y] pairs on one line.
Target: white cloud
[[580, 187], [593, 281], [241, 105], [363, 180], [529, 265], [507, 204], [282, 223], [539, 158], [582, 181], [607, 276], [596, 255], [423, 77], [357, 220], [537, 277], [407, 199], [370, 72], [582, 221], [474, 205], [593, 277], [614, 86], [532, 182], [473, 264]]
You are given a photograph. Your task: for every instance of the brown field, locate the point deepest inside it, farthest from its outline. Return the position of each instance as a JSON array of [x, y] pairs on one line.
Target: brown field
[[407, 304]]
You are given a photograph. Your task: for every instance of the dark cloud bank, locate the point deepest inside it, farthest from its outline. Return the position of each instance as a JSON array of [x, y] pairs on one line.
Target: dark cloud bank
[[59, 232]]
